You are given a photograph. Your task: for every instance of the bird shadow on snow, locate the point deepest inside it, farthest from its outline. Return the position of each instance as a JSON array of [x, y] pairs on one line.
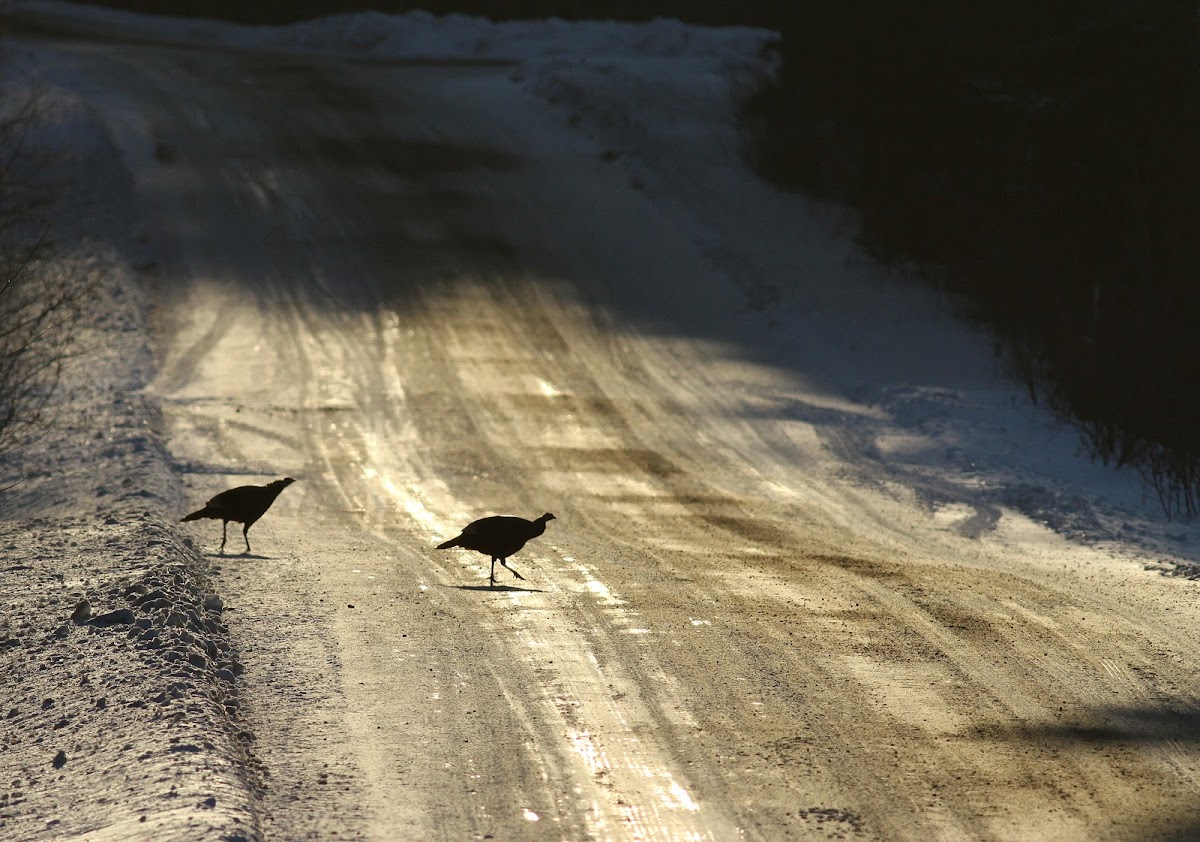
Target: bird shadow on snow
[[496, 588], [233, 556]]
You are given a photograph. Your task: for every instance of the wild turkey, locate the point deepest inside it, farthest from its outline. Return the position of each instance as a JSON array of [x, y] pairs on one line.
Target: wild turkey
[[244, 504], [499, 536]]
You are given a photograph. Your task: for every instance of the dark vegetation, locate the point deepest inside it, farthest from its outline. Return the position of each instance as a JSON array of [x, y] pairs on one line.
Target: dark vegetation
[[1036, 159], [714, 12], [1039, 161]]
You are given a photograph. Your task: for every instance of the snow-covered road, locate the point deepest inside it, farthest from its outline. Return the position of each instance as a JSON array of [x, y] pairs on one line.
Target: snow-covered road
[[784, 596]]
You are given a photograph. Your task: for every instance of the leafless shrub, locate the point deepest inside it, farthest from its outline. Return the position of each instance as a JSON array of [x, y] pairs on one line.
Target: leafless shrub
[[37, 304]]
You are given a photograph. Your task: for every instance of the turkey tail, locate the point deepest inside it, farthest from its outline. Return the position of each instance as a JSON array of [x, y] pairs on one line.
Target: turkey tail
[[205, 512], [445, 545]]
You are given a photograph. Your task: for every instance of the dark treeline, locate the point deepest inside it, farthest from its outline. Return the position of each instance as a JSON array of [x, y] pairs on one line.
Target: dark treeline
[[1038, 159], [713, 12]]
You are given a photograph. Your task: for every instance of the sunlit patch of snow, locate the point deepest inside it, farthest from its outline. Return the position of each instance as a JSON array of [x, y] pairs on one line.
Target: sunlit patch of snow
[[592, 753], [679, 799], [604, 596], [949, 513], [416, 509], [671, 795]]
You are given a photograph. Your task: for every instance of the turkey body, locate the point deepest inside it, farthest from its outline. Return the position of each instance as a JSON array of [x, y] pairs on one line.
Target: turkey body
[[499, 537], [244, 504]]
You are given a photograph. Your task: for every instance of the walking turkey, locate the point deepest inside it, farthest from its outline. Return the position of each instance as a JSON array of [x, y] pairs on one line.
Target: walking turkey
[[499, 537], [244, 504]]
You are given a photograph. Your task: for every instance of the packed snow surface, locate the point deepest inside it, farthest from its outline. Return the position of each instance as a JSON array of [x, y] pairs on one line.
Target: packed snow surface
[[121, 714]]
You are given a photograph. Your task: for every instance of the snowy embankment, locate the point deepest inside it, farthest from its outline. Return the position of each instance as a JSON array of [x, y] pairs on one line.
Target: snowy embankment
[[116, 671]]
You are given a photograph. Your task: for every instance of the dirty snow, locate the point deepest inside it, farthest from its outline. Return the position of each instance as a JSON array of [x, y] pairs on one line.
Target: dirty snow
[[119, 684]]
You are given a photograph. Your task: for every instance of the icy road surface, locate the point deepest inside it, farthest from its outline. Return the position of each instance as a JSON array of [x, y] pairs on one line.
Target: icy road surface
[[422, 293]]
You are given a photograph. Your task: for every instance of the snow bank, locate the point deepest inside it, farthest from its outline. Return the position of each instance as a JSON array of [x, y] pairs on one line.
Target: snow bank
[[120, 710]]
